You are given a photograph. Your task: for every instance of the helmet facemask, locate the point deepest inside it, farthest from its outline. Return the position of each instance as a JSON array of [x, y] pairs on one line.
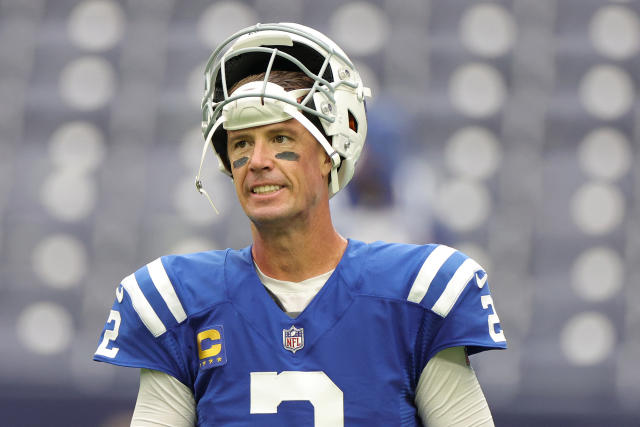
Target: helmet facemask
[[335, 100]]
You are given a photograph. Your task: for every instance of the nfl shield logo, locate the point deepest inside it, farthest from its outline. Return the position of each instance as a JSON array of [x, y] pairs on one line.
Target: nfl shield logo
[[293, 339]]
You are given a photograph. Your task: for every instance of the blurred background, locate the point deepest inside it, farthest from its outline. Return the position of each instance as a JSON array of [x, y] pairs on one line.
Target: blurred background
[[507, 129]]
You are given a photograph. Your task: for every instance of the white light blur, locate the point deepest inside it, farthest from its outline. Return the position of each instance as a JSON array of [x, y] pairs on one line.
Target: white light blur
[[96, 25], [597, 208], [463, 205], [605, 153], [477, 90], [615, 32], [60, 261], [222, 19], [68, 196], [487, 29], [606, 92], [597, 274], [473, 152], [588, 339], [359, 28], [88, 83], [45, 328], [77, 146]]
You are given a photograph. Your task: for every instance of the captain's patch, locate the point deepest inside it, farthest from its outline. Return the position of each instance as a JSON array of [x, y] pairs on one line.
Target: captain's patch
[[211, 347]]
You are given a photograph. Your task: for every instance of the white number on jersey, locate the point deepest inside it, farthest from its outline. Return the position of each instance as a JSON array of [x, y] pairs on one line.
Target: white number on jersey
[[269, 389], [110, 335], [493, 319]]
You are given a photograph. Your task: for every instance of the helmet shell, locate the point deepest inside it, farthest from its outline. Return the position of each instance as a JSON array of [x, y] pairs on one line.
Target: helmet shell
[[336, 103]]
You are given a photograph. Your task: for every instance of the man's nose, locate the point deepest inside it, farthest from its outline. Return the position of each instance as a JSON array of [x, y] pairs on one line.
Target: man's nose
[[261, 156]]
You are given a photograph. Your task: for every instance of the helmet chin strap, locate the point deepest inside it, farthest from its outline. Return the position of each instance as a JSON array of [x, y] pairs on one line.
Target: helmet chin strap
[[207, 142]]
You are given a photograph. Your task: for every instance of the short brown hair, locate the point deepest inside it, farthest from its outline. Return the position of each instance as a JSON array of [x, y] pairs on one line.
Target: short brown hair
[[288, 80]]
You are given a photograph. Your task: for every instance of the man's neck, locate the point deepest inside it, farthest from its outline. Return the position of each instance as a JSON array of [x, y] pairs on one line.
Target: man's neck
[[297, 253]]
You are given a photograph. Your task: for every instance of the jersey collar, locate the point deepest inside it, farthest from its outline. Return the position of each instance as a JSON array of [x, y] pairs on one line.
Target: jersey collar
[[250, 298]]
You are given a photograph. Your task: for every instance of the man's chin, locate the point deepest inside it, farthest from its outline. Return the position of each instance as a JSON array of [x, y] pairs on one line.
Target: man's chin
[[269, 217]]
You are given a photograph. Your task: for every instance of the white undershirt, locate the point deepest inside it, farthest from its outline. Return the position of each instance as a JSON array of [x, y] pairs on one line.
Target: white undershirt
[[448, 392], [293, 297]]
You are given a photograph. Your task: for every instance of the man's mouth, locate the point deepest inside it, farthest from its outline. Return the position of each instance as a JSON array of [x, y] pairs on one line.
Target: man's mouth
[[265, 189]]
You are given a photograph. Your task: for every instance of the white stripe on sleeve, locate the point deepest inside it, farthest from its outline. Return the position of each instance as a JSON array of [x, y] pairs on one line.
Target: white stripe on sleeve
[[163, 284], [428, 271], [142, 306], [456, 285]]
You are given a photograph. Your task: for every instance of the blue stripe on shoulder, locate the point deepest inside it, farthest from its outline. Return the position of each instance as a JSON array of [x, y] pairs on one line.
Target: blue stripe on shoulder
[[154, 298], [441, 279]]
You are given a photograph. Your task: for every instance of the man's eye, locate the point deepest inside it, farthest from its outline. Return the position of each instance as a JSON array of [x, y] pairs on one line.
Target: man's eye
[[280, 139], [239, 144]]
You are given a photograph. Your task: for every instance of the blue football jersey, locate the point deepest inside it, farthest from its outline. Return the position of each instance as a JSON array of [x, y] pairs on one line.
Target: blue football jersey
[[353, 357]]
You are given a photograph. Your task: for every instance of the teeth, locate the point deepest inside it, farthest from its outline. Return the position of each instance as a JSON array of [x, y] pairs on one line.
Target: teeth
[[266, 189]]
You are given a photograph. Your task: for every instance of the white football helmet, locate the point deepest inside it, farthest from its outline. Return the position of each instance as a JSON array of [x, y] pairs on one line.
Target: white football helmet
[[335, 101]]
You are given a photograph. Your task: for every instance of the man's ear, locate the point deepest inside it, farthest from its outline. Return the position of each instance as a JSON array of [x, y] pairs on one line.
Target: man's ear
[[326, 164]]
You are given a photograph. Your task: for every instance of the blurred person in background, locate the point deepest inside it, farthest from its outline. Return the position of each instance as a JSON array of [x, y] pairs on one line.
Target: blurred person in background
[[304, 326]]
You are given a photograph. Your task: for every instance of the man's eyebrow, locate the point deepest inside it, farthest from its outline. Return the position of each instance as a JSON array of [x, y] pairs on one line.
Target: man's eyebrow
[[282, 128], [239, 134]]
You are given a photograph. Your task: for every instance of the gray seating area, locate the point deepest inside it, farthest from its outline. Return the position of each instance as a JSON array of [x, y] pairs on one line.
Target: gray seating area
[[508, 129]]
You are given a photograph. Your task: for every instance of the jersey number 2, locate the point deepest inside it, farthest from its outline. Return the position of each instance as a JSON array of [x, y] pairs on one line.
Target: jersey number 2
[[493, 319], [110, 335], [269, 389]]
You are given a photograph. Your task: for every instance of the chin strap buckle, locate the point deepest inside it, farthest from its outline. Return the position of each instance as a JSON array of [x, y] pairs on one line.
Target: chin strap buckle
[[202, 191]]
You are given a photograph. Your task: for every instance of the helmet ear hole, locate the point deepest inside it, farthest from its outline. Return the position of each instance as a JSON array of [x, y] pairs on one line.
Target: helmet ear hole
[[353, 123]]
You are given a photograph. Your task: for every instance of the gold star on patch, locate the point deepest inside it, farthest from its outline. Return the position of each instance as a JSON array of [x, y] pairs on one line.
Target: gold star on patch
[[219, 359]]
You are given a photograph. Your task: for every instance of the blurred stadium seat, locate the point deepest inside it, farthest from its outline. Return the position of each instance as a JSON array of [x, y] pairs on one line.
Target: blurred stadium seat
[[509, 129]]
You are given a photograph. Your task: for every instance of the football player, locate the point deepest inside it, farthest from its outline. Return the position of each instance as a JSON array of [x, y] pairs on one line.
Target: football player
[[303, 327]]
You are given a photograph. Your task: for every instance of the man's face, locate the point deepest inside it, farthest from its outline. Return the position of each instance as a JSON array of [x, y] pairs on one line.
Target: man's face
[[279, 171]]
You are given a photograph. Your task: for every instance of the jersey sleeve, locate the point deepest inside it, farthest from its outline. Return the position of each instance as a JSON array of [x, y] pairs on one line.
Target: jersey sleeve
[[455, 288], [142, 328]]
